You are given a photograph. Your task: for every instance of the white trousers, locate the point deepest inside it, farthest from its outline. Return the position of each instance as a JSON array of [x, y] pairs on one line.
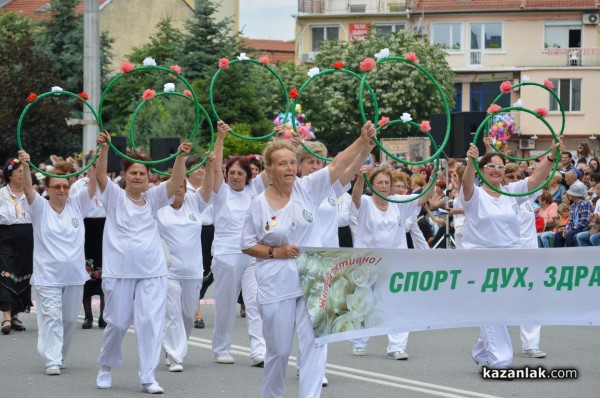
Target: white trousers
[[279, 320], [396, 342], [57, 310], [530, 337], [493, 347], [142, 300], [182, 300], [233, 272]]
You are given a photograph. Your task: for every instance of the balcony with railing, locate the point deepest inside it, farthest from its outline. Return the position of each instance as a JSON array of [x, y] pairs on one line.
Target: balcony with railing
[[538, 57], [333, 7]]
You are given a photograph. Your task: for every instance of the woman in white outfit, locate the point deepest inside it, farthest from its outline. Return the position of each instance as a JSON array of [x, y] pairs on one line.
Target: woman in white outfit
[[134, 276], [488, 216], [58, 262], [180, 226], [232, 269], [530, 334], [381, 224], [278, 221]]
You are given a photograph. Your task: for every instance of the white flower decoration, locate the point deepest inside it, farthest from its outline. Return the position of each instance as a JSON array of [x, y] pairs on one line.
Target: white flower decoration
[[243, 57], [385, 52], [148, 61], [313, 72], [406, 117], [525, 79], [518, 103], [169, 87], [56, 88]]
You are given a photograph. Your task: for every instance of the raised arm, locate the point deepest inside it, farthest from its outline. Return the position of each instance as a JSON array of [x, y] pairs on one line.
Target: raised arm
[[429, 194], [102, 162], [340, 165], [217, 173], [543, 170], [27, 183], [468, 180], [207, 186], [178, 176], [359, 186]]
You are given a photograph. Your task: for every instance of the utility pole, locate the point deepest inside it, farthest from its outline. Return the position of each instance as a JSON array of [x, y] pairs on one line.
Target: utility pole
[[91, 70]]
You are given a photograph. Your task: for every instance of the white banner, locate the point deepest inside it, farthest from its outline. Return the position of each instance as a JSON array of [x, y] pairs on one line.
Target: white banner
[[353, 293]]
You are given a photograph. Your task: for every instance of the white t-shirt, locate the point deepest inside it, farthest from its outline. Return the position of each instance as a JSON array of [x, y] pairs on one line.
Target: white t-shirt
[[180, 229], [95, 211], [493, 222], [229, 208], [528, 232], [327, 216], [293, 224], [344, 201], [131, 246], [383, 229], [58, 256], [12, 208]]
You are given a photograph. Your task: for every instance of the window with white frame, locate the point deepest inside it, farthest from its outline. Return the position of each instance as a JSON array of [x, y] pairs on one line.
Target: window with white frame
[[486, 36], [386, 29], [319, 34], [447, 35], [562, 34], [569, 92]]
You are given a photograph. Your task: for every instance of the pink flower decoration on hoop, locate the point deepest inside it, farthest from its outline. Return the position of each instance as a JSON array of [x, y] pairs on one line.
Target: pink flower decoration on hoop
[[338, 65], [127, 67], [412, 57], [31, 97], [367, 65], [548, 84], [383, 121], [223, 63], [293, 93], [264, 60], [493, 108], [148, 94], [176, 69], [543, 112], [506, 87], [425, 126], [188, 93]]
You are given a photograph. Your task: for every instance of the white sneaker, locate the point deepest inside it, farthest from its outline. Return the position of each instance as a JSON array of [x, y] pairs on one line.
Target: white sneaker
[[104, 379], [534, 353], [152, 388], [325, 381], [175, 367], [359, 351], [53, 370], [398, 355], [258, 361], [225, 359]]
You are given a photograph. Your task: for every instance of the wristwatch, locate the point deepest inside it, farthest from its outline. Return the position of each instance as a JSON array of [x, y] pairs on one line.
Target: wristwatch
[[271, 252]]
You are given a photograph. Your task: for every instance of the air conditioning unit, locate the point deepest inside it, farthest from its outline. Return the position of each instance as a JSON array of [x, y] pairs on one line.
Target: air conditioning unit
[[308, 57], [420, 30], [590, 19], [526, 144]]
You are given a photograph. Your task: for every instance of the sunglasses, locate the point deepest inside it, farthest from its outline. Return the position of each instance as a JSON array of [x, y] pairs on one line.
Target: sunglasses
[[492, 166], [59, 187]]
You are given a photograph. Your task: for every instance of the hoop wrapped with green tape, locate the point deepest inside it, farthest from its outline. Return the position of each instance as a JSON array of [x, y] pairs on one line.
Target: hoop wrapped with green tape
[[20, 124], [243, 59], [441, 147], [557, 153], [207, 117], [328, 72], [138, 69]]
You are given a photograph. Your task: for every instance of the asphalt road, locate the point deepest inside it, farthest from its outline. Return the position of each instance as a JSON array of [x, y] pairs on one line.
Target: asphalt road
[[440, 365]]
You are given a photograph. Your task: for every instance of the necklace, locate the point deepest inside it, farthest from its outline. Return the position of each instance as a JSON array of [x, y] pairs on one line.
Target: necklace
[[380, 207], [135, 200], [490, 190]]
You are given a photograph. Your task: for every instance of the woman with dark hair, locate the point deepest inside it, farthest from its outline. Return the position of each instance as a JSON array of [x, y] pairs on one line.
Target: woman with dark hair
[[256, 165], [135, 269], [583, 153], [234, 270], [16, 248], [594, 164], [490, 215]]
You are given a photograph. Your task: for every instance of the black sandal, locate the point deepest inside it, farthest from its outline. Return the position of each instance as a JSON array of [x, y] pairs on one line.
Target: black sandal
[[17, 325], [6, 328]]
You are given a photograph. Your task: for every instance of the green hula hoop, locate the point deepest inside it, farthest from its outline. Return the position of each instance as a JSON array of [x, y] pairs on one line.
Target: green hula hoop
[[214, 109], [391, 155], [562, 111], [20, 124], [212, 132], [556, 162], [439, 150], [432, 180], [323, 73], [143, 69]]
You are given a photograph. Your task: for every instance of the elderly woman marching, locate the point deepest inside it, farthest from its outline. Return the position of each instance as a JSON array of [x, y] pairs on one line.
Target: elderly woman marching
[[58, 262], [278, 222]]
